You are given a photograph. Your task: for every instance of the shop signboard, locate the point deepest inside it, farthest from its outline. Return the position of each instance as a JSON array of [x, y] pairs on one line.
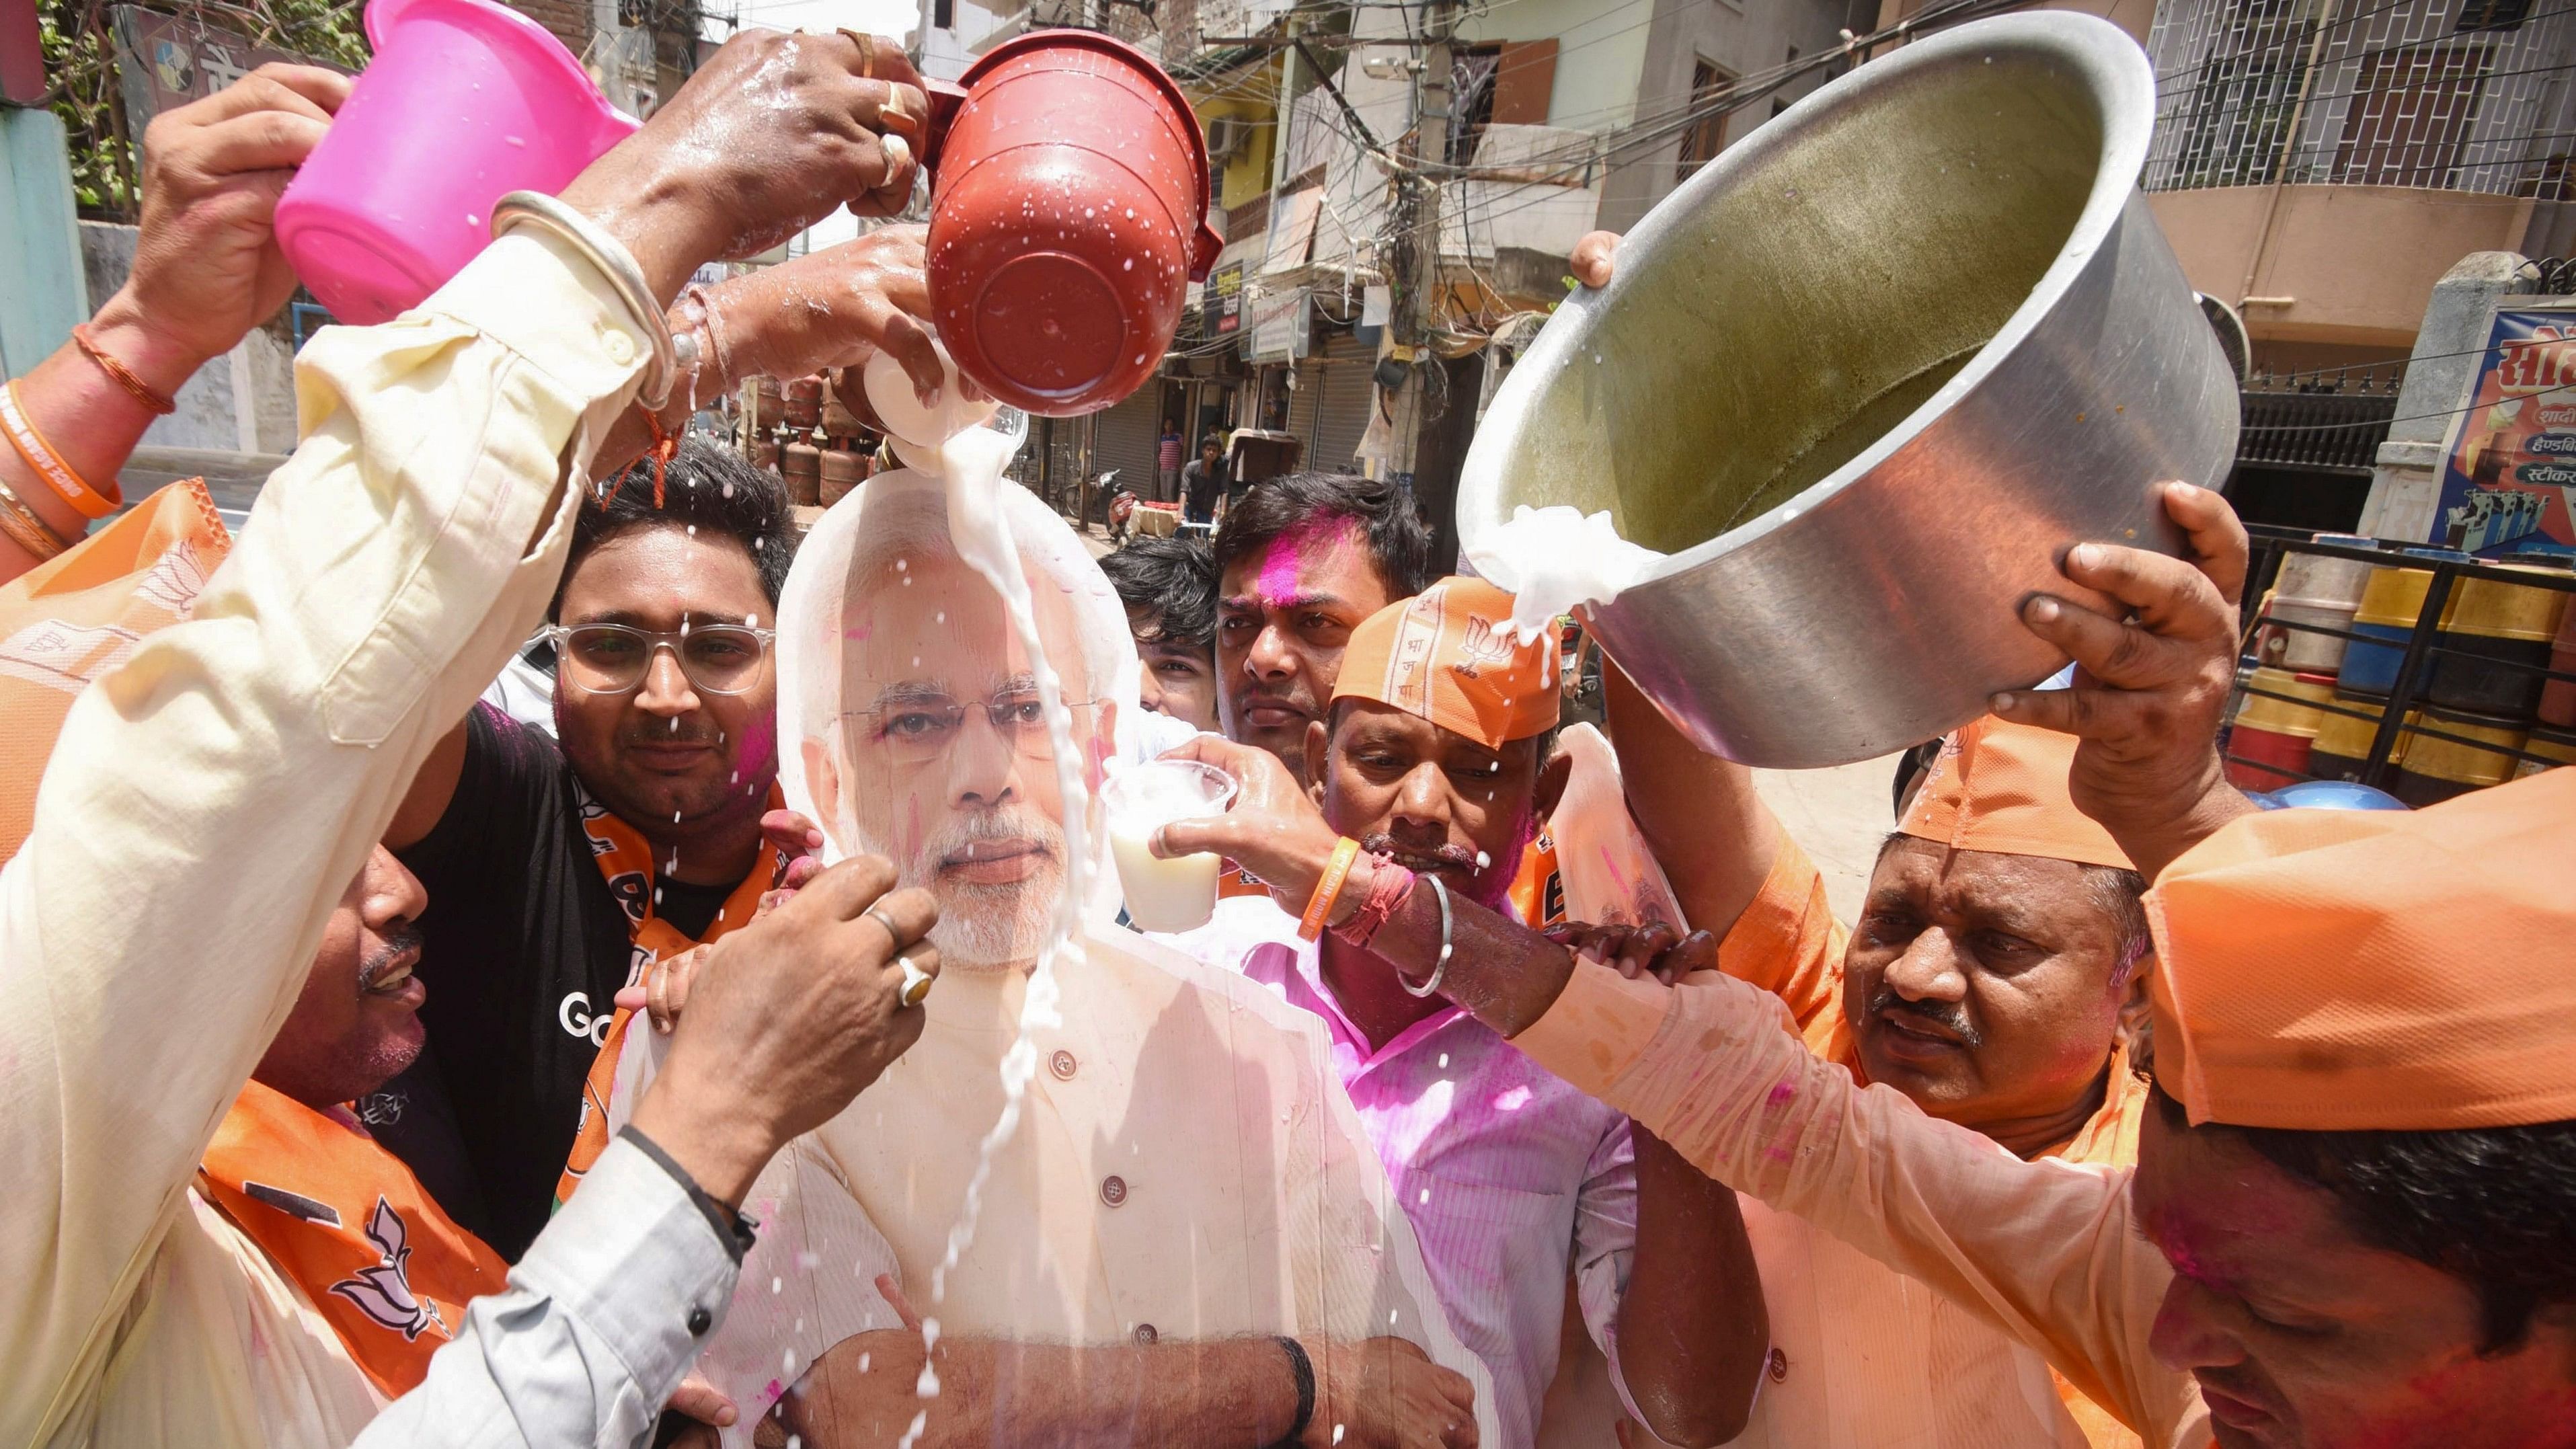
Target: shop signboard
[[2509, 465], [1281, 329], [1221, 304], [165, 61]]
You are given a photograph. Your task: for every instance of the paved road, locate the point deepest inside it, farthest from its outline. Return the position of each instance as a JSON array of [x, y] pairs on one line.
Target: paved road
[[1840, 815]]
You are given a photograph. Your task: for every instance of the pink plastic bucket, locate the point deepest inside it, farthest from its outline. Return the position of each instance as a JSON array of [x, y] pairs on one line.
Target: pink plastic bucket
[[464, 102]]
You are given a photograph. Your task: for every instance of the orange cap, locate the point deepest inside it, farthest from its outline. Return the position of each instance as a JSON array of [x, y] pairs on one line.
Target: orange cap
[[1446, 654], [2332, 970], [2002, 787]]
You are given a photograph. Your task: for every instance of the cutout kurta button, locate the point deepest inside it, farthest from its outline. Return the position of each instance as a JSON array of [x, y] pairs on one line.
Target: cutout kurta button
[[1113, 1189], [1062, 1064], [1146, 1334]]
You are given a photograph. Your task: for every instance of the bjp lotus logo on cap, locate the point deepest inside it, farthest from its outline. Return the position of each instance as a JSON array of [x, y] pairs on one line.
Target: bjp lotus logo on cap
[[1483, 644]]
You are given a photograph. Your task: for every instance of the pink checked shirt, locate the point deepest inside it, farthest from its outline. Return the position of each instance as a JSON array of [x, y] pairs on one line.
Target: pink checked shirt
[[1511, 1177]]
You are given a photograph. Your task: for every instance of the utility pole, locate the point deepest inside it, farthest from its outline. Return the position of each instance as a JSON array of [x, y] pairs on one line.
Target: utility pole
[[1417, 260], [1442, 428]]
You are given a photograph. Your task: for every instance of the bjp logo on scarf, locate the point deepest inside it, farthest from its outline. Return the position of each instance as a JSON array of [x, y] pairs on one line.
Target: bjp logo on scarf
[[382, 1291]]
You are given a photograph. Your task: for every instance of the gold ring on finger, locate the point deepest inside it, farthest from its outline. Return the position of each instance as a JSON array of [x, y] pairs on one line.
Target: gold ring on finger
[[916, 982], [867, 52]]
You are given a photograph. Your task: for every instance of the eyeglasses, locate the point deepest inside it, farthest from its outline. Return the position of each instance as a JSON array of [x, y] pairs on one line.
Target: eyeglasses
[[614, 658], [919, 728]]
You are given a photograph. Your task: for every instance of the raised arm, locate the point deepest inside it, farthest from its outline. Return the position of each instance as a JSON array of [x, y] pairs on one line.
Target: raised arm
[[1737, 873], [1710, 832], [206, 271], [210, 796], [2043, 1250], [2153, 686]]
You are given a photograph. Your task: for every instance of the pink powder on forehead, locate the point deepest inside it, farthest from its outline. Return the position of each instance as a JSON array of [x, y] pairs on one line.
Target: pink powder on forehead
[[1283, 566]]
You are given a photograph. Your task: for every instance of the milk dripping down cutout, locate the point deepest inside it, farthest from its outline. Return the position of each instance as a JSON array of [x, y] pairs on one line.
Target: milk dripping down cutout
[[856, 687], [1853, 390]]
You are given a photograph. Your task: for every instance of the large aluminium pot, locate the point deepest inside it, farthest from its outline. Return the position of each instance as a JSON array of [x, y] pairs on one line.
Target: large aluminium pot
[[1865, 378]]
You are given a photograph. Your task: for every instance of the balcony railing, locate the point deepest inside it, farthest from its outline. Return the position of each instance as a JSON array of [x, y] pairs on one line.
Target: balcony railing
[[2452, 95], [2333, 420]]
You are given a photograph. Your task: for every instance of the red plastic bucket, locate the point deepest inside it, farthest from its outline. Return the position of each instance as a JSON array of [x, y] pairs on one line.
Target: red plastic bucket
[[1070, 216]]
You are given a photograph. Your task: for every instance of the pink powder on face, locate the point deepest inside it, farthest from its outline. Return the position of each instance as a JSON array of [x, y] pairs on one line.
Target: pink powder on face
[[2186, 1263], [757, 760], [1281, 580]]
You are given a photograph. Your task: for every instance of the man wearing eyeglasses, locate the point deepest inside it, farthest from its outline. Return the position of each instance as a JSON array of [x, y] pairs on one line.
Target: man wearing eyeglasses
[[555, 870]]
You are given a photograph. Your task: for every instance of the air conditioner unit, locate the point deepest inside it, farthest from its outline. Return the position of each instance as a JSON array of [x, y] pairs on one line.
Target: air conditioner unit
[[1228, 137]]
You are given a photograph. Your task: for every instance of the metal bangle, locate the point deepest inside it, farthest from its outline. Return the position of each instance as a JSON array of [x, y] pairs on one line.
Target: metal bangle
[[1440, 967], [616, 265], [24, 527]]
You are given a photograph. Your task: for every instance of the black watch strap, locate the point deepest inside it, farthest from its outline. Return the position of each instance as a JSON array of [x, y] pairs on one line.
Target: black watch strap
[[1304, 1370]]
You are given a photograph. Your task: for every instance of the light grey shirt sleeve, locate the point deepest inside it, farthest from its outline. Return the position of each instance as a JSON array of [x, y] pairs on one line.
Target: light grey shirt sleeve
[[601, 1319]]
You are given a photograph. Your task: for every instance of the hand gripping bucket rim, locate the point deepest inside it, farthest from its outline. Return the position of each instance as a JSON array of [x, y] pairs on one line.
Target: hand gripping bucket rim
[[1202, 254]]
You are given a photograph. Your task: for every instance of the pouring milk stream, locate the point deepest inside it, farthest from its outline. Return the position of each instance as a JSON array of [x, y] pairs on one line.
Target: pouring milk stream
[[948, 441]]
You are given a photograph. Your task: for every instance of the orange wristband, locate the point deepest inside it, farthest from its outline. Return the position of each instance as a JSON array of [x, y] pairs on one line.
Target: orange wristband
[[49, 465], [1320, 906]]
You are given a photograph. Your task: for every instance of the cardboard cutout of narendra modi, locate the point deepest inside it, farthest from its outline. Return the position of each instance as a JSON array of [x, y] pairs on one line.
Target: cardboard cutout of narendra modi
[[1188, 1233]]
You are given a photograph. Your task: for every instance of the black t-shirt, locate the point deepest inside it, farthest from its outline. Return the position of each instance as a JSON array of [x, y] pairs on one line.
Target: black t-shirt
[[523, 950], [1199, 485]]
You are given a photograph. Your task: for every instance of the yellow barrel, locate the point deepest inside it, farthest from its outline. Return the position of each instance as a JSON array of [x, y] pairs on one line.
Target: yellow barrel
[[2342, 743], [2258, 712], [2437, 769], [2488, 629], [2505, 611], [2393, 597], [2558, 745]]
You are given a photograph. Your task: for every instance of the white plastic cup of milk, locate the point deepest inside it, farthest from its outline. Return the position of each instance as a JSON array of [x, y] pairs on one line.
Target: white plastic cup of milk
[[1164, 895]]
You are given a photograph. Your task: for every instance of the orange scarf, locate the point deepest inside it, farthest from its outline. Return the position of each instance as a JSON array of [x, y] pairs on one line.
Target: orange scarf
[[352, 1227], [83, 612], [626, 859]]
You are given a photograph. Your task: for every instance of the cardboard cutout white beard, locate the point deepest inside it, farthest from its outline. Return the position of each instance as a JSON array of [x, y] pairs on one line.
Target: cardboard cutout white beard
[[887, 641]]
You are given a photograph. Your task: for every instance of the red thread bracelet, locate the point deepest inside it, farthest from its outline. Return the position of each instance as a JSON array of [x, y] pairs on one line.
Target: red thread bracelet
[[1389, 888]]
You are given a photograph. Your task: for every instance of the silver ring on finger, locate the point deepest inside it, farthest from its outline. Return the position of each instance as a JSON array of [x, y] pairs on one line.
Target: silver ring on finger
[[878, 915], [916, 982], [899, 163]]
